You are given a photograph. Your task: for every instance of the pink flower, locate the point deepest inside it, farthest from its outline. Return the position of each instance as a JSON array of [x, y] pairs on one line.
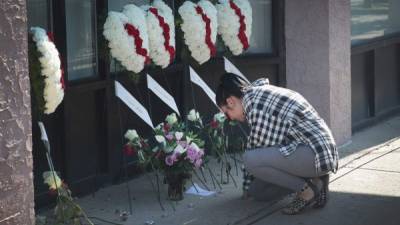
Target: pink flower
[[191, 154], [175, 156], [200, 153], [169, 160], [182, 143], [169, 137]]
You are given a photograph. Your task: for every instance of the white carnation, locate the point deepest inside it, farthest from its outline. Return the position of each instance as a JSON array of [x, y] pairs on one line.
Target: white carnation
[[171, 119]]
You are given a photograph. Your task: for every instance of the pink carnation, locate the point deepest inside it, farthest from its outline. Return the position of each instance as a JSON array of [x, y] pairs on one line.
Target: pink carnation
[[191, 154]]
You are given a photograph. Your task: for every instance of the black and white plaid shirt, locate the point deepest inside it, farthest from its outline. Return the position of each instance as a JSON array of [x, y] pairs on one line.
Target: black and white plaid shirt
[[282, 117]]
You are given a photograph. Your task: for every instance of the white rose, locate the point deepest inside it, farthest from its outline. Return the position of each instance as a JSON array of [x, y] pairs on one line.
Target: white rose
[[160, 139], [131, 135], [52, 179], [193, 115], [220, 117], [171, 119]]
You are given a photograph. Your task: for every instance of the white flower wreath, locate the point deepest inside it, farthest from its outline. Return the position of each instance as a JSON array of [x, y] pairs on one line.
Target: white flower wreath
[[200, 29], [161, 31], [127, 37], [234, 24], [53, 92]]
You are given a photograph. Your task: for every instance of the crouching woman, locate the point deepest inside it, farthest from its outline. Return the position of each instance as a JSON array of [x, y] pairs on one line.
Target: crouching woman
[[289, 144]]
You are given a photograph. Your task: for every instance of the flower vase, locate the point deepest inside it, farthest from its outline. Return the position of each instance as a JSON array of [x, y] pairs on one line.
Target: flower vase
[[176, 184]]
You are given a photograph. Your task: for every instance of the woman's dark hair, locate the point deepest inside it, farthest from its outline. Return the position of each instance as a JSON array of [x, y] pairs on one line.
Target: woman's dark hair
[[230, 85]]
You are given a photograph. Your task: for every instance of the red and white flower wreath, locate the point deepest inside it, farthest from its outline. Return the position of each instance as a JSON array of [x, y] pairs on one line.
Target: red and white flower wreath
[[50, 62], [234, 24], [200, 29], [127, 36], [161, 31]]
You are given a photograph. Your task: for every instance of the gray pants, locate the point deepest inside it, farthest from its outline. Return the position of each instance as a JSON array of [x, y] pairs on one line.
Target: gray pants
[[269, 165]]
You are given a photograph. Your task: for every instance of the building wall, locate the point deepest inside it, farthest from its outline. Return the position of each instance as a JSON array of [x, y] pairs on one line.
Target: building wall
[[317, 35], [16, 187]]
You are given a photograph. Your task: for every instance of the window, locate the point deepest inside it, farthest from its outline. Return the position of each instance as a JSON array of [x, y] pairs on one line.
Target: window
[[261, 36], [373, 18], [38, 15], [118, 5], [80, 29]]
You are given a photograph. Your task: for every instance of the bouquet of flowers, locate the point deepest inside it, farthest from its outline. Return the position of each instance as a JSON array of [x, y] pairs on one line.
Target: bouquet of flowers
[[215, 130], [174, 151], [223, 138], [177, 150]]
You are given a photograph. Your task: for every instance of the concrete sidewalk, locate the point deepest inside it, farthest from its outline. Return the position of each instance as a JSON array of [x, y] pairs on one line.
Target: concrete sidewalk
[[365, 191]]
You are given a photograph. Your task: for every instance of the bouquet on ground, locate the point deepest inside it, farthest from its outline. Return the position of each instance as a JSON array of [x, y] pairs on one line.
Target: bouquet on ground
[[225, 142], [67, 211], [225, 136], [173, 150]]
